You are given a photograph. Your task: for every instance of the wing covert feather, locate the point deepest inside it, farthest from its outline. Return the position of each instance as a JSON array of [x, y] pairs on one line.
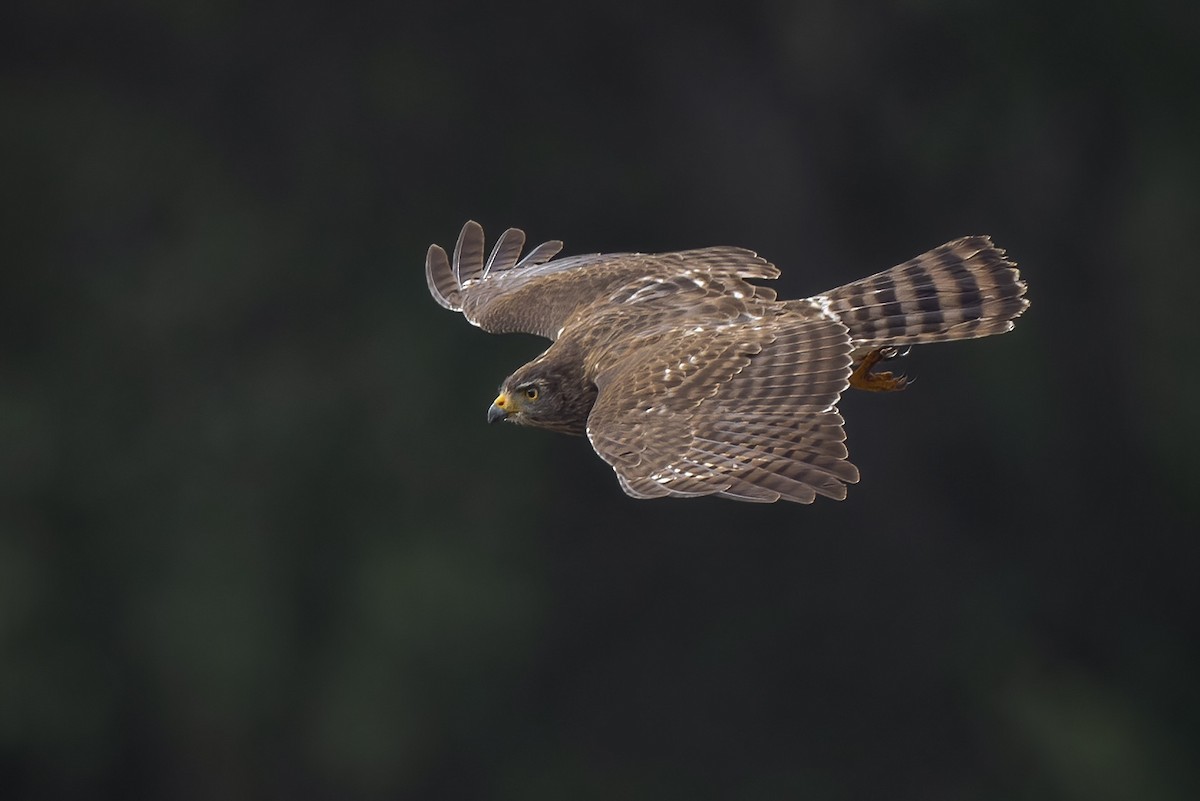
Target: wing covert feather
[[745, 411], [538, 294]]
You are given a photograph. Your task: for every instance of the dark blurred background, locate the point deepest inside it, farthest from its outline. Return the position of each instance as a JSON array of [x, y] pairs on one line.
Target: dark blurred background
[[258, 541]]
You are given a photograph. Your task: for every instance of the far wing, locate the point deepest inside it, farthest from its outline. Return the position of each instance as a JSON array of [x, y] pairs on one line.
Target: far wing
[[537, 294], [745, 411]]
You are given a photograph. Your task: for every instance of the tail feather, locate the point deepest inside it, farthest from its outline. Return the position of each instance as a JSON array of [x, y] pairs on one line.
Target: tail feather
[[961, 290]]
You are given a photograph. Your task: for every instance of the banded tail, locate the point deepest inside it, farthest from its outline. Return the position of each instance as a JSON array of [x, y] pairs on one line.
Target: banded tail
[[961, 290]]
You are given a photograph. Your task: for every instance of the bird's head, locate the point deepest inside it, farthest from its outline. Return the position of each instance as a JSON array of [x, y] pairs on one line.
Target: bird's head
[[537, 396]]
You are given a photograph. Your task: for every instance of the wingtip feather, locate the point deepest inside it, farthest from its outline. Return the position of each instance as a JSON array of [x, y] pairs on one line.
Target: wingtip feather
[[442, 283], [542, 253], [468, 253], [505, 252]]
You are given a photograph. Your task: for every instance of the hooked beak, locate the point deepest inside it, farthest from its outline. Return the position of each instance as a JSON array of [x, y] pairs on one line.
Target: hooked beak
[[499, 409]]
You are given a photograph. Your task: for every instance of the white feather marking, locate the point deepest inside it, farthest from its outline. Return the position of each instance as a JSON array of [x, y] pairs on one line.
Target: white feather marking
[[823, 304]]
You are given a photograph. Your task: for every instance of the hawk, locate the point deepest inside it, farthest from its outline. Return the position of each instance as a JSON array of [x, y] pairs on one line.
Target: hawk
[[688, 379]]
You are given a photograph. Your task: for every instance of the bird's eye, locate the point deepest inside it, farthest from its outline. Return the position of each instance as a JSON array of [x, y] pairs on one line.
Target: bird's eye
[[531, 393]]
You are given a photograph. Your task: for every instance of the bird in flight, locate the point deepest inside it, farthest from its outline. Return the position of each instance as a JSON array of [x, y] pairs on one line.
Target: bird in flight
[[688, 379]]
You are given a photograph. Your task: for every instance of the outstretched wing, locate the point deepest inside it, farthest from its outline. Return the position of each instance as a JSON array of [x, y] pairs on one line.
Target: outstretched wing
[[537, 294], [744, 410]]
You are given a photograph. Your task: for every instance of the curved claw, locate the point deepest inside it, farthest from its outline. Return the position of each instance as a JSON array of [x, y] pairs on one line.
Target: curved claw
[[862, 377]]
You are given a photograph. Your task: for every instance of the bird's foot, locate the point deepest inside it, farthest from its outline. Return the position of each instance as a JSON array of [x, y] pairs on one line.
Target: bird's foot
[[863, 378]]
